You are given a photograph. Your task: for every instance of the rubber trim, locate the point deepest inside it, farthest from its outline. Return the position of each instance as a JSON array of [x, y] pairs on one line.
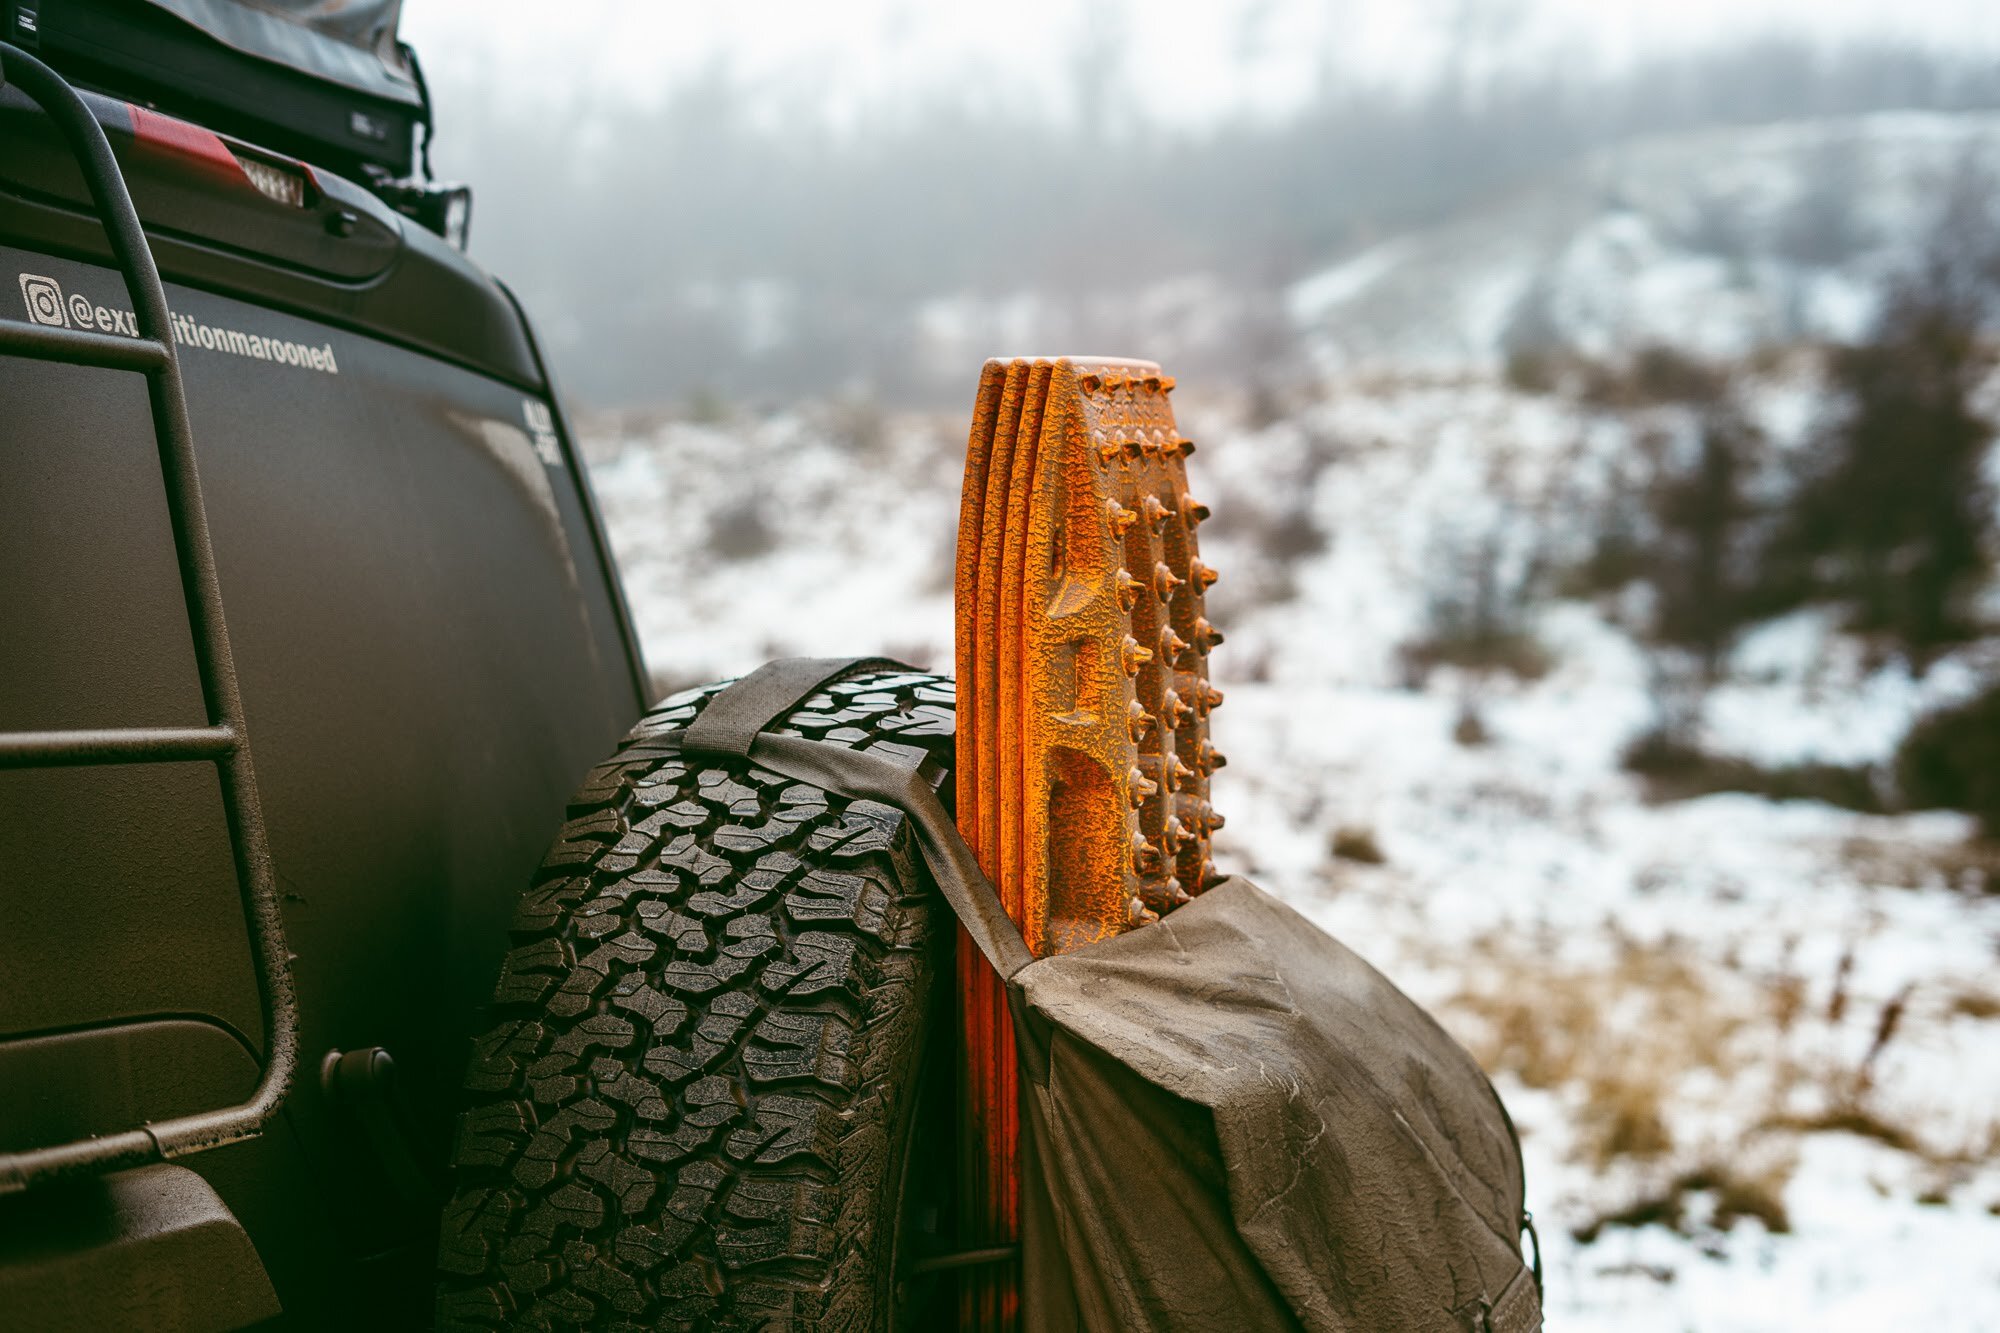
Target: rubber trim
[[635, 657]]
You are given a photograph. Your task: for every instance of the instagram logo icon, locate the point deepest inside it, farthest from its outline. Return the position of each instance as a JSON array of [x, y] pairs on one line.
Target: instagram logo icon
[[44, 299]]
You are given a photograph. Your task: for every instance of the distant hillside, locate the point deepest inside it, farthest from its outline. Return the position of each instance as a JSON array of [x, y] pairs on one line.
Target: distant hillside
[[1717, 242]]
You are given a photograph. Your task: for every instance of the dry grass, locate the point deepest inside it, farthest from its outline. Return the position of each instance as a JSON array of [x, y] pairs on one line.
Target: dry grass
[[1625, 1042], [1623, 1034], [1514, 796], [1969, 867], [1479, 650], [1787, 1000]]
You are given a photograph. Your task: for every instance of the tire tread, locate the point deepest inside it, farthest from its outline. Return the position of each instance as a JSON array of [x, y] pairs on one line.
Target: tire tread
[[698, 1055]]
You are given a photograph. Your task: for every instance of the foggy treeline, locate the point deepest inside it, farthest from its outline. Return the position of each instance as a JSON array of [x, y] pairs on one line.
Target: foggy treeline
[[728, 243]]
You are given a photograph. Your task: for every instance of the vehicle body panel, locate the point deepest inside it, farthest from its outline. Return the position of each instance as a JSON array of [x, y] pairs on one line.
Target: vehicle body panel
[[432, 650]]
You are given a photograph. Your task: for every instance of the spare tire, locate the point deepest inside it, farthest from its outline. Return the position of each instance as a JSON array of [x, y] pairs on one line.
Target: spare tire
[[695, 1102]]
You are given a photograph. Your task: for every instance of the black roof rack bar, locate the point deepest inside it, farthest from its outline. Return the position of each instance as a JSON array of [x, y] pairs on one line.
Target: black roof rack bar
[[223, 741]]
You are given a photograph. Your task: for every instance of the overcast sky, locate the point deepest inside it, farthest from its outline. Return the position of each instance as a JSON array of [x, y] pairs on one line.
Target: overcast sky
[[1188, 59]]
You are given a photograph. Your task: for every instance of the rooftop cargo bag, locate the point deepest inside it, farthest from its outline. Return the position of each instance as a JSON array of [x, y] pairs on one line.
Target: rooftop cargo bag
[[1231, 1120], [327, 80]]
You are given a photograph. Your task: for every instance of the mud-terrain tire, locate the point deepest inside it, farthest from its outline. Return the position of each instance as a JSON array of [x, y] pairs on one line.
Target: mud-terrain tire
[[696, 1088]]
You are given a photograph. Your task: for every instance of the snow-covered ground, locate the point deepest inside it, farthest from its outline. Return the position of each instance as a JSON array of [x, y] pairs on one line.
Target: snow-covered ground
[[1753, 1048]]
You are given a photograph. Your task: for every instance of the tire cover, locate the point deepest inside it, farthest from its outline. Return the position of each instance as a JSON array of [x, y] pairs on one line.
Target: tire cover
[[1245, 1125]]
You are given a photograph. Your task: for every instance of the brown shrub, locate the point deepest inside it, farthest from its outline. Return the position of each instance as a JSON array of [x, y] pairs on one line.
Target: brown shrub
[[1975, 1004], [1849, 1116], [1735, 1196], [1676, 770], [1356, 842]]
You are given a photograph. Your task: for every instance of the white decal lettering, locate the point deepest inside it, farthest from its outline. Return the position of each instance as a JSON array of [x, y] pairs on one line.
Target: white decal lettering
[[47, 304]]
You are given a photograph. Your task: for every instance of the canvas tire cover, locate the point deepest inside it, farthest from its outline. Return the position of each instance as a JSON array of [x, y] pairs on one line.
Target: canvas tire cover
[[1231, 1121], [1244, 1125]]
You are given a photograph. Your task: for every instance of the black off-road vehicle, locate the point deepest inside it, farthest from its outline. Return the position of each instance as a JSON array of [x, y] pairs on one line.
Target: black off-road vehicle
[[283, 475]]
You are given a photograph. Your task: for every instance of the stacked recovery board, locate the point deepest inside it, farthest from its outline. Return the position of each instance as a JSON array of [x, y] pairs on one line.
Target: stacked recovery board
[[1083, 753]]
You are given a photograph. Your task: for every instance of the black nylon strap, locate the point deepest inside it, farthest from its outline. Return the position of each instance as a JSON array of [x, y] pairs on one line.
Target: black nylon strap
[[733, 718], [861, 774]]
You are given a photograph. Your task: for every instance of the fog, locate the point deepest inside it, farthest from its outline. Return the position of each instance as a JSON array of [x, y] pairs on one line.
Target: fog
[[779, 203]]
